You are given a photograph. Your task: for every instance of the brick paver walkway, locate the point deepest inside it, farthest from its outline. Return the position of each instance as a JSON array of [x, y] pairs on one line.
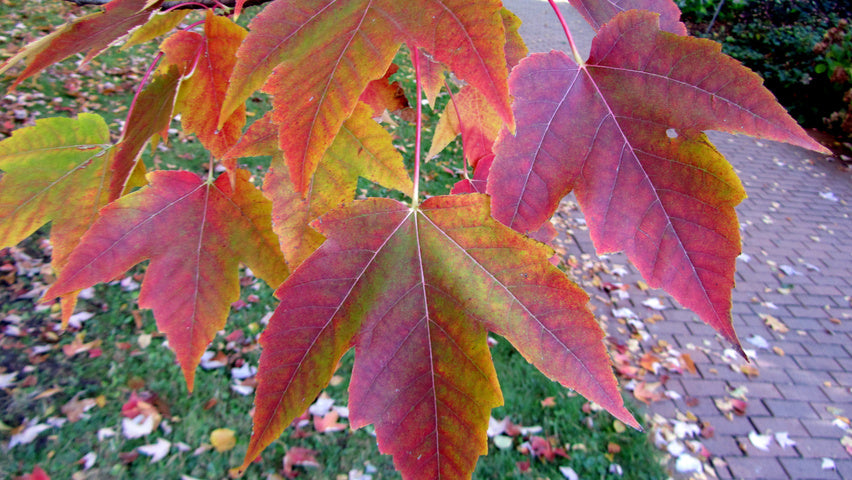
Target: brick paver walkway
[[791, 307]]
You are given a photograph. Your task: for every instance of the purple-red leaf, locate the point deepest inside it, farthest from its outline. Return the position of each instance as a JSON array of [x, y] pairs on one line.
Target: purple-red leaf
[[195, 233], [624, 131], [414, 291], [598, 12]]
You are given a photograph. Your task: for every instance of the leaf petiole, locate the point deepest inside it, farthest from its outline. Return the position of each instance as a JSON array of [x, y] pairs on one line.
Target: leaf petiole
[[576, 53], [415, 200]]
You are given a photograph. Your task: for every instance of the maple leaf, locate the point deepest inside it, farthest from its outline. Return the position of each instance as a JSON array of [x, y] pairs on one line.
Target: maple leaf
[[56, 171], [208, 61], [94, 32], [415, 292], [361, 148], [468, 114], [151, 115], [647, 179], [382, 94], [326, 74], [599, 12], [195, 234]]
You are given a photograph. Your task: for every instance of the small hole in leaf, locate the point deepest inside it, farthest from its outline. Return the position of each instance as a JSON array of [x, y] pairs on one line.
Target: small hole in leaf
[[671, 133]]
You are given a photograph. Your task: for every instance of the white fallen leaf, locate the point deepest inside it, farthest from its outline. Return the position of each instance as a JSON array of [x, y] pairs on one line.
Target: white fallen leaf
[[770, 305], [243, 390], [531, 430], [744, 257], [789, 270], [88, 460], [105, 433], [208, 361], [839, 423], [615, 469], [138, 426], [76, 320], [241, 373], [496, 427], [502, 442], [654, 303], [812, 267], [828, 464], [619, 270], [27, 435], [157, 451], [129, 285], [342, 412], [758, 341], [783, 439], [760, 441], [830, 196], [675, 448], [686, 463], [673, 395], [569, 473], [686, 429], [7, 379], [322, 406], [624, 313]]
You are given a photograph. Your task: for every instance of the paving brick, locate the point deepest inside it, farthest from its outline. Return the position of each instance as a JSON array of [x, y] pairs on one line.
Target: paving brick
[[842, 378], [837, 394], [807, 469], [822, 290], [773, 425], [818, 363], [720, 466], [790, 408], [821, 447], [722, 426], [760, 389], [749, 468], [774, 450], [823, 336], [822, 428], [802, 377], [805, 393], [834, 351], [722, 446]]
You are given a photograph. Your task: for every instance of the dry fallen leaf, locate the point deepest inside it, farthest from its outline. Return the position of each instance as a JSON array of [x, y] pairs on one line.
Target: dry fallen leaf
[[774, 323], [299, 457], [157, 451], [223, 439]]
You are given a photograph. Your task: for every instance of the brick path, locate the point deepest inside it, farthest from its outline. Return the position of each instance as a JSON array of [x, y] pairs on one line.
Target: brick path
[[796, 272]]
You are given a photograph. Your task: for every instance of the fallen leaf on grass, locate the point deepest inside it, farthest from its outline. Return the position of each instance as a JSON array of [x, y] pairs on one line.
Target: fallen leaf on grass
[[569, 473], [88, 460], [299, 457], [548, 402], [157, 451], [223, 439], [75, 409], [26, 434], [328, 423], [37, 474]]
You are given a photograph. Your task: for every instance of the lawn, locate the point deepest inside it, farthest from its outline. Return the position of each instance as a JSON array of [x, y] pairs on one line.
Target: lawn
[[104, 397]]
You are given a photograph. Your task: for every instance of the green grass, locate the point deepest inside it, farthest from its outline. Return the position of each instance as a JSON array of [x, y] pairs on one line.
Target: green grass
[[48, 379]]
